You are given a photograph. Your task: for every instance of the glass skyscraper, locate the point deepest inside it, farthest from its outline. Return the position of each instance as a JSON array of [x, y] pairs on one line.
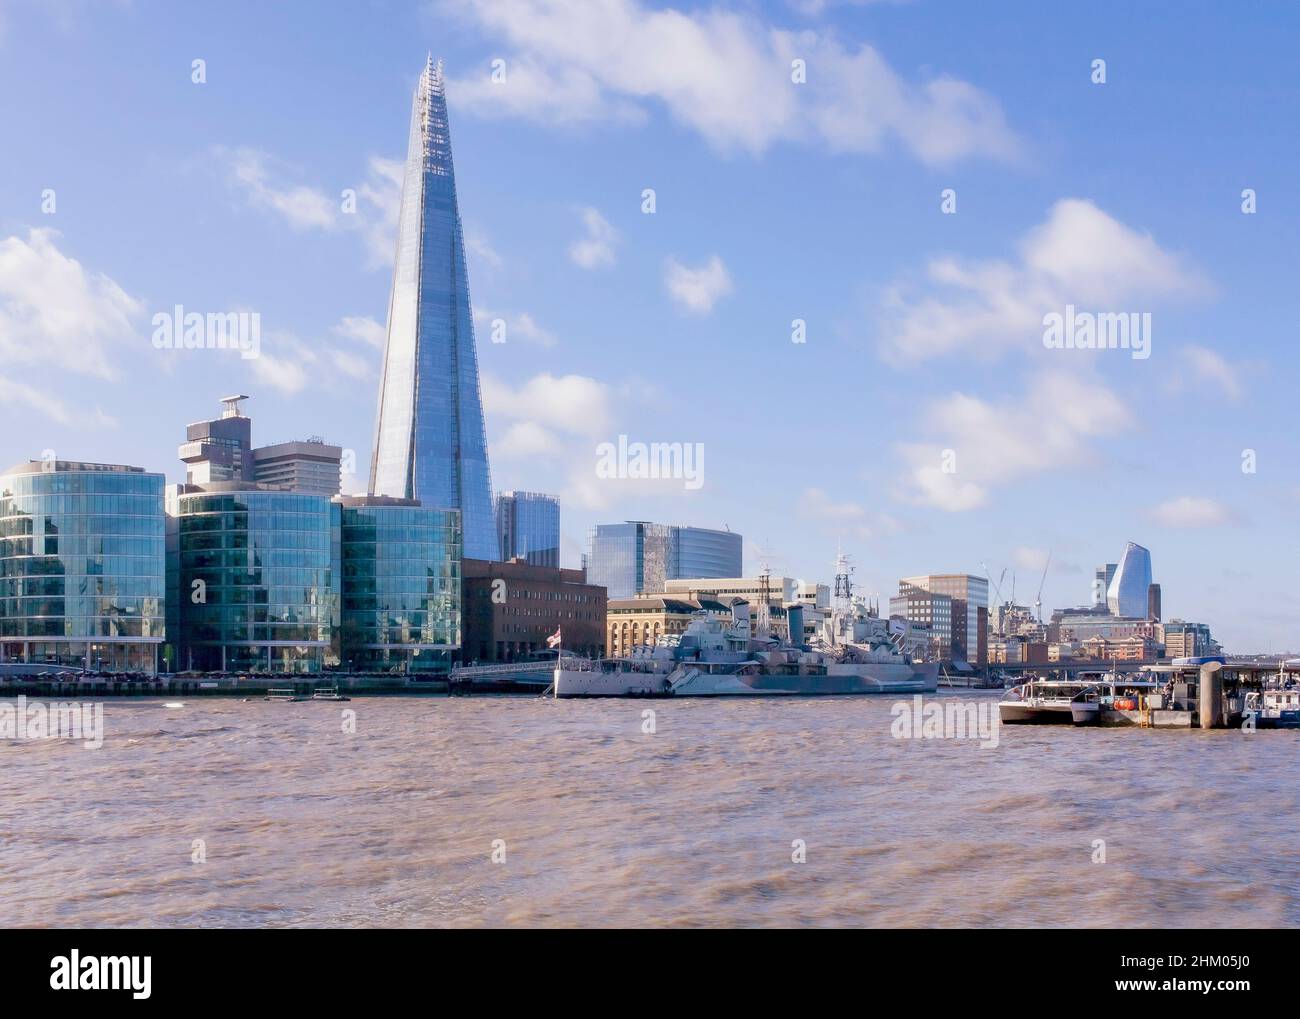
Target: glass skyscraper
[[528, 526], [638, 557], [429, 439], [1127, 595], [401, 585], [256, 580], [82, 566]]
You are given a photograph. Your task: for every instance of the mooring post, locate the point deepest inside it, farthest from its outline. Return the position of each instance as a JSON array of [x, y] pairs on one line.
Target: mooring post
[[1210, 693]]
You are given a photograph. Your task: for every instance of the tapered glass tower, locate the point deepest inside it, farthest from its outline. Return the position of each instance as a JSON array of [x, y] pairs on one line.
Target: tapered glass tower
[[1127, 595], [429, 438]]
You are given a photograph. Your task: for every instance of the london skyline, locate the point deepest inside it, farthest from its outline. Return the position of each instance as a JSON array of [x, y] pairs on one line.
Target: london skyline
[[228, 194]]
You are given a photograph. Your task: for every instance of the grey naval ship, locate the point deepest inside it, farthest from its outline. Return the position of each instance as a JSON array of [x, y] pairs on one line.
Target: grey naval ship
[[854, 652]]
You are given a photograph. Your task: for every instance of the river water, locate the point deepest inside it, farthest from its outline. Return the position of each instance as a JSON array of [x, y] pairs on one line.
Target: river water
[[229, 813]]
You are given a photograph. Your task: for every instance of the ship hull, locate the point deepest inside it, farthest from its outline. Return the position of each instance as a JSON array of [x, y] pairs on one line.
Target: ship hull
[[837, 681], [1012, 713], [688, 681], [570, 683]]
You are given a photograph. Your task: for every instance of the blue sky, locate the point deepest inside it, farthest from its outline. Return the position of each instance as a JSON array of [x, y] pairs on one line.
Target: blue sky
[[775, 201]]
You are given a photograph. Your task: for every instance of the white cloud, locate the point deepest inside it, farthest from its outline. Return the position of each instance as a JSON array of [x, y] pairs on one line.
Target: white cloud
[[287, 369], [353, 365], [363, 329], [1046, 428], [261, 180], [1027, 558], [697, 290], [1079, 255], [1192, 511], [1205, 364], [376, 215], [574, 404], [56, 315], [300, 206], [848, 518], [289, 364], [726, 74], [525, 439], [596, 249], [819, 504], [518, 325], [479, 246], [35, 398]]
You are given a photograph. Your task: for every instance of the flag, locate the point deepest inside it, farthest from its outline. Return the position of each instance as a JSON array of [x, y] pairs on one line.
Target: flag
[[554, 639]]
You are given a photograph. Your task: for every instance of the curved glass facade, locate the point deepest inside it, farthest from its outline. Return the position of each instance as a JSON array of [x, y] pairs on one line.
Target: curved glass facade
[[430, 444], [82, 566], [401, 587], [1128, 589], [257, 583]]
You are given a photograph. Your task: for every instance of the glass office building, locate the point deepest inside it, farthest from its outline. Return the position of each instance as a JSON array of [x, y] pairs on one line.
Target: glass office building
[[1127, 594], [82, 566], [429, 439], [638, 557], [528, 527], [401, 585], [969, 595], [256, 580]]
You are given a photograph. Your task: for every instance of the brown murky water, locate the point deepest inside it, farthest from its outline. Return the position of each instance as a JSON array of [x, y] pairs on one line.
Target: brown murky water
[[304, 825]]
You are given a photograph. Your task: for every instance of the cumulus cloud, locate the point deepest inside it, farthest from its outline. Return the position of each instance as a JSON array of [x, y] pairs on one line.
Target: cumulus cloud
[[1205, 365], [55, 312], [726, 74], [981, 443], [1192, 511], [517, 325], [263, 182], [572, 404], [363, 329], [289, 364], [300, 206], [697, 290], [596, 249], [1080, 255], [847, 518]]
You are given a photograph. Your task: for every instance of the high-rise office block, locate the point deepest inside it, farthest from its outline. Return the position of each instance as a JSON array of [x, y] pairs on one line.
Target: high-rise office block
[[82, 566], [1153, 602], [220, 449], [1102, 577], [969, 594], [638, 557], [528, 527], [1127, 594], [302, 466], [429, 439]]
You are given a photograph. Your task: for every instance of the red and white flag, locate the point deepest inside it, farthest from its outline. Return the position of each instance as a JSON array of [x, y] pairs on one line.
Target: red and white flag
[[554, 639]]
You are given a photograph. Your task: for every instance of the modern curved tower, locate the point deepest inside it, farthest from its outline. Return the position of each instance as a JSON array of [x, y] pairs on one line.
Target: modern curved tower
[[429, 439], [1127, 595]]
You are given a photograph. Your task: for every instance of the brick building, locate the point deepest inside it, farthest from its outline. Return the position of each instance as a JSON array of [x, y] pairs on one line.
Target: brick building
[[510, 608]]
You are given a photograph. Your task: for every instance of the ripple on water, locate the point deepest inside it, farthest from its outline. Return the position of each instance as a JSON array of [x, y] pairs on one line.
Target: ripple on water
[[600, 823]]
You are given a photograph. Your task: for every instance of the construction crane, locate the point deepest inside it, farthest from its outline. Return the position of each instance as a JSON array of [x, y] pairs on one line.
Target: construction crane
[[1038, 602]]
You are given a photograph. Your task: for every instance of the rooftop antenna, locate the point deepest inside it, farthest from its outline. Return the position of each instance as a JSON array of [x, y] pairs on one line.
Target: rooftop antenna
[[230, 406], [1038, 602]]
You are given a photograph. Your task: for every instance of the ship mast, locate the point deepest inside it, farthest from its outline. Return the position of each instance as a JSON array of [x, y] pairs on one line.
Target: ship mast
[[842, 603]]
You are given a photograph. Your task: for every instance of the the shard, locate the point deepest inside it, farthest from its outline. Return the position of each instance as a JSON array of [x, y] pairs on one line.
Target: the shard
[[429, 439]]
